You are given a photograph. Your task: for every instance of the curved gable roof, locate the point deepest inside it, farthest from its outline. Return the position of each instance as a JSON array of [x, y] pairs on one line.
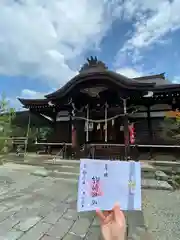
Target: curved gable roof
[[35, 102], [113, 77], [156, 76]]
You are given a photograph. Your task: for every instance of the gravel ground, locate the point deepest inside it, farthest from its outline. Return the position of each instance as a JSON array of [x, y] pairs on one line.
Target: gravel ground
[[162, 214]]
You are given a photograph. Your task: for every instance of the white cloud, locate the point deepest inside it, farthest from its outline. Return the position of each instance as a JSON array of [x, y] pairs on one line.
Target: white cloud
[[129, 72], [176, 79], [152, 21], [27, 94], [39, 37], [31, 94]]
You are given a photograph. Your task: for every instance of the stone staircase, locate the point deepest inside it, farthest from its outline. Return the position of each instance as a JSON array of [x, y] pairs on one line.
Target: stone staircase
[[64, 169], [68, 170], [108, 152]]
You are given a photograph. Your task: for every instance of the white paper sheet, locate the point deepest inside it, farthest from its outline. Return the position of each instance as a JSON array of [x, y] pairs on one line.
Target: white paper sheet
[[102, 183]]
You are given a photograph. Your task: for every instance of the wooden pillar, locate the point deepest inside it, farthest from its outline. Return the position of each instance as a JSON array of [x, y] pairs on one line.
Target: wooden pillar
[[80, 138], [126, 132], [68, 150], [150, 129], [70, 127], [105, 119], [87, 123], [149, 124], [126, 138], [74, 136]]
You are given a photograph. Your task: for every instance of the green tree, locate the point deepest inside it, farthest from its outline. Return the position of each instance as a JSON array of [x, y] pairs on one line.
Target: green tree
[[171, 129], [6, 116]]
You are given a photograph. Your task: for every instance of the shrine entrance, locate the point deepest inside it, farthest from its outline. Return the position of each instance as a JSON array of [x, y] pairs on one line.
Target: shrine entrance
[[113, 133]]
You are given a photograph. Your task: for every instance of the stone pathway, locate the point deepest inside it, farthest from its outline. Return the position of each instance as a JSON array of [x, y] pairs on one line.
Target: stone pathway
[[162, 214], [40, 208], [44, 208]]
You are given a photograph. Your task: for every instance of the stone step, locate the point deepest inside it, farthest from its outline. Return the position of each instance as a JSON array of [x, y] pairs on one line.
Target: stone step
[[145, 183], [168, 169], [144, 165], [64, 175], [69, 169], [155, 184], [165, 163], [148, 174], [59, 162], [158, 175], [72, 169], [69, 180], [63, 168], [148, 171]]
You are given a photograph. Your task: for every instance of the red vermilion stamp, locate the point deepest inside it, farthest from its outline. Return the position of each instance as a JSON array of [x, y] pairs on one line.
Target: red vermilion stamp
[[95, 187]]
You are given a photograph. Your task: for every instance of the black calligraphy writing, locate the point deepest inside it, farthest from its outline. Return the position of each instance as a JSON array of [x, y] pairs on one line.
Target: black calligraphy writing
[[106, 171], [94, 202], [84, 172]]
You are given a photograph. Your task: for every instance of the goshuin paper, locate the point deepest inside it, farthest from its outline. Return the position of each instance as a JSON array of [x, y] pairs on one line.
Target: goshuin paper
[[103, 183]]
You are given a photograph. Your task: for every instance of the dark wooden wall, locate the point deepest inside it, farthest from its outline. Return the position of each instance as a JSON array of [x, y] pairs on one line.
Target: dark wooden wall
[[142, 132], [61, 132]]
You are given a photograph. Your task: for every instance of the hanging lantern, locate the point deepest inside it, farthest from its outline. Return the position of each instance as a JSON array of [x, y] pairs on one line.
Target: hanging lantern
[[121, 128], [98, 126], [88, 126], [91, 126]]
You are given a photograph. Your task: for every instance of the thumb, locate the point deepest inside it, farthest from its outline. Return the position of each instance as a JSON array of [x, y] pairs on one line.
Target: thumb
[[118, 214]]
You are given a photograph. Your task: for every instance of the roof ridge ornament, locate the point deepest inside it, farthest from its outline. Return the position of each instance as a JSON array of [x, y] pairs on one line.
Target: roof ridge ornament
[[93, 63]]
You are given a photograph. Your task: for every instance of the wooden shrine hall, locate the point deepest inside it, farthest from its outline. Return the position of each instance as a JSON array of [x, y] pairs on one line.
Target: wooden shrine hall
[[95, 112]]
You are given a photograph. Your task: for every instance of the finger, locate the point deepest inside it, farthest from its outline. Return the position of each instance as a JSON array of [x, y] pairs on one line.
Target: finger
[[118, 214], [100, 215], [106, 213], [109, 218]]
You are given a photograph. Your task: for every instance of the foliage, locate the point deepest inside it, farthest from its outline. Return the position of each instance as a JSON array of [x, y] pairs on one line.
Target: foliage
[[171, 129], [9, 129], [44, 132], [6, 116]]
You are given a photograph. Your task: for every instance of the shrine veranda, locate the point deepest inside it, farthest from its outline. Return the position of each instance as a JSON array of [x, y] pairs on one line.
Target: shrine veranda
[[91, 114]]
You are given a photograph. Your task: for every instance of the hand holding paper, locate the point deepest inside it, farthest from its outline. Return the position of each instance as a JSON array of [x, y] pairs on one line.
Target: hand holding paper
[[102, 183], [113, 224]]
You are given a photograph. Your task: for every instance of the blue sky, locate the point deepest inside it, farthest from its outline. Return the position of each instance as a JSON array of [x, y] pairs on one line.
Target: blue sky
[[43, 43]]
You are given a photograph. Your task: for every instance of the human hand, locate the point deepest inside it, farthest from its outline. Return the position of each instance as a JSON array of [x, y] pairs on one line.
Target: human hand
[[113, 223]]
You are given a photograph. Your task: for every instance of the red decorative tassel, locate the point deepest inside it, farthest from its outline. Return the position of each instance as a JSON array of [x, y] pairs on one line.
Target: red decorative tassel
[[73, 136]]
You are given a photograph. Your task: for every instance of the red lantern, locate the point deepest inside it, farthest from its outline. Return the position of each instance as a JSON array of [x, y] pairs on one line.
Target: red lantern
[[132, 133]]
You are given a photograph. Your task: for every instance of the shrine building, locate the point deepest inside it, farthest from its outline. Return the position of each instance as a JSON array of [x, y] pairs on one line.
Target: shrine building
[[92, 112]]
